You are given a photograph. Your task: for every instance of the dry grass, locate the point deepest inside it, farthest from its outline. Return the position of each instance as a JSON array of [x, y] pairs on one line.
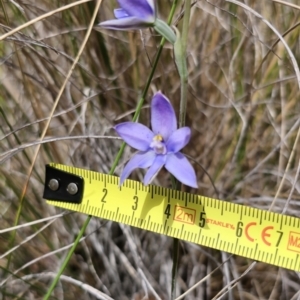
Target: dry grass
[[243, 109]]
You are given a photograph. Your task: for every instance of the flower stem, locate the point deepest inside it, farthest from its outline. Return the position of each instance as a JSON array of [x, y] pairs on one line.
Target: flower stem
[[67, 259], [183, 73], [117, 159]]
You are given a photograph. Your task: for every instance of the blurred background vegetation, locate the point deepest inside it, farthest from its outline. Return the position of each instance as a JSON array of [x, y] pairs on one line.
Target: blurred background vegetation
[[243, 108]]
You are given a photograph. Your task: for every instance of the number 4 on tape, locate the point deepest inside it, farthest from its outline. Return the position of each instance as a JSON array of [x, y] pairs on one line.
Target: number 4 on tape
[[245, 231]]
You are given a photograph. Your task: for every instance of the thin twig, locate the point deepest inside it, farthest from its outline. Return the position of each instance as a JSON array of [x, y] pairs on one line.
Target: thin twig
[[44, 16]]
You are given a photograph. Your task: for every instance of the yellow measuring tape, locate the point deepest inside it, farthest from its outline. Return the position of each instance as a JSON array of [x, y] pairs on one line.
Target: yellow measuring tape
[[245, 231]]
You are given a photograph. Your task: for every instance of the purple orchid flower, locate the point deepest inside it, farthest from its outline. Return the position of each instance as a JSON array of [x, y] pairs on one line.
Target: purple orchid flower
[[133, 14], [159, 147], [138, 14]]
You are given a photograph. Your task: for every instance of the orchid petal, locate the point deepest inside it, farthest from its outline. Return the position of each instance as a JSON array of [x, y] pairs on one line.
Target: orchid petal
[[152, 4], [182, 170], [139, 160], [155, 168], [138, 8], [163, 118], [125, 24], [120, 13], [178, 139], [136, 135]]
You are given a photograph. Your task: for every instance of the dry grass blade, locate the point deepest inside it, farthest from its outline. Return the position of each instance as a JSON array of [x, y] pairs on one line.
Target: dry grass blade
[[6, 155], [33, 223], [33, 21], [88, 288], [291, 54], [201, 281], [287, 3], [63, 88], [297, 71]]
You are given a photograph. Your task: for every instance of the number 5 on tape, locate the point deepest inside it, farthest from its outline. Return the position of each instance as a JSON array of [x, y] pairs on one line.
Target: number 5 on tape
[[245, 231]]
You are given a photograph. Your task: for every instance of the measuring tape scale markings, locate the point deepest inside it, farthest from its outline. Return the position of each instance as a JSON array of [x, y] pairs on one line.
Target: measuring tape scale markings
[[242, 230]]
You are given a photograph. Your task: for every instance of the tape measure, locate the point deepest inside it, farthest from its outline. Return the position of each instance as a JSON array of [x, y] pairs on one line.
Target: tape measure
[[242, 230]]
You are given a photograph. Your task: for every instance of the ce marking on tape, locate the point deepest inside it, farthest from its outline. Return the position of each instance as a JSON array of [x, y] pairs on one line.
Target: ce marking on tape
[[265, 233]]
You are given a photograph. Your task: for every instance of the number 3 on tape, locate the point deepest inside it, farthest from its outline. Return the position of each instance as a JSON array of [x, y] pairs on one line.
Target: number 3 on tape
[[249, 232]]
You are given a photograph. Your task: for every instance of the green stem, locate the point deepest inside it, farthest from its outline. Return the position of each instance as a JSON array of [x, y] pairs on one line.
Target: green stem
[[183, 96], [185, 26], [67, 259], [117, 159], [183, 73]]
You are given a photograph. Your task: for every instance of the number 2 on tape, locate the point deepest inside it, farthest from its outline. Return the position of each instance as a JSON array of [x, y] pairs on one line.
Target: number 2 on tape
[[249, 232]]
